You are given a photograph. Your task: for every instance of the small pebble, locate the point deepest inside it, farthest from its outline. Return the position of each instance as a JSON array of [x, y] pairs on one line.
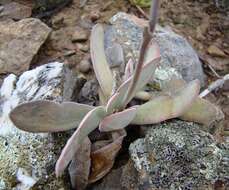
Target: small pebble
[[83, 47], [214, 50], [79, 36], [94, 16], [84, 66], [1, 8]]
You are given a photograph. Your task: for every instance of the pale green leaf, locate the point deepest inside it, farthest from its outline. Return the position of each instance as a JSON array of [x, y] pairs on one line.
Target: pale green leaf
[[48, 116], [89, 123], [117, 120], [99, 61], [166, 107]]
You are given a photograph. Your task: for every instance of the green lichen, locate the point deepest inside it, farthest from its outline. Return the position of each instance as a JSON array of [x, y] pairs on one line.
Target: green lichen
[[33, 152], [184, 157]]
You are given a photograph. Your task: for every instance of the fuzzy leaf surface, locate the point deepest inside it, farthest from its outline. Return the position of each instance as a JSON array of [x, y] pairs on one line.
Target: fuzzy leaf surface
[[48, 116], [166, 107], [116, 102], [117, 120], [145, 75], [201, 111], [204, 112], [99, 61], [87, 125]]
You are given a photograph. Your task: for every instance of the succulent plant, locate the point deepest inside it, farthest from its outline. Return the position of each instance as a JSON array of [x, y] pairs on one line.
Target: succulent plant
[[114, 114]]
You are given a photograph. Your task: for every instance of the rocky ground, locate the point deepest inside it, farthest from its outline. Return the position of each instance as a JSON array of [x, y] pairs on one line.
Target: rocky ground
[[33, 33]]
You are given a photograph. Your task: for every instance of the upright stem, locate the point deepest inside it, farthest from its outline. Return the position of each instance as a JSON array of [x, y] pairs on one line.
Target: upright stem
[[147, 36]]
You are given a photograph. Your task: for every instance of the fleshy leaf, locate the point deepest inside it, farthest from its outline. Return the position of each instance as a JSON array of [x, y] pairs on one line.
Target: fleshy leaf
[[145, 75], [103, 158], [201, 111], [129, 70], [204, 112], [99, 61], [80, 166], [113, 103], [166, 107], [48, 116], [151, 61], [184, 98], [143, 95], [87, 125], [116, 102], [117, 120]]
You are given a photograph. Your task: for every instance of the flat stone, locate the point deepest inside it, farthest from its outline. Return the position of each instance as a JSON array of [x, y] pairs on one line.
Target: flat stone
[[19, 43], [79, 36], [214, 50], [180, 155], [178, 57], [26, 155], [15, 11]]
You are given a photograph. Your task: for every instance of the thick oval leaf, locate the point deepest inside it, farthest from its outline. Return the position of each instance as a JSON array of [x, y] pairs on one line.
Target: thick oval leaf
[[145, 75], [117, 120], [154, 111], [87, 125], [204, 112], [116, 101], [103, 158], [113, 103], [48, 116], [166, 107], [129, 70], [184, 98], [151, 61], [100, 65]]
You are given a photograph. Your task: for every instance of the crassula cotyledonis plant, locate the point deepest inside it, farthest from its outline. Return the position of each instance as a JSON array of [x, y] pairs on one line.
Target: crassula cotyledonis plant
[[114, 114]]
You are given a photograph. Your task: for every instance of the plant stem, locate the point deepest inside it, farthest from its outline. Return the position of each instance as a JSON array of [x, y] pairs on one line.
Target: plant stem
[[147, 36]]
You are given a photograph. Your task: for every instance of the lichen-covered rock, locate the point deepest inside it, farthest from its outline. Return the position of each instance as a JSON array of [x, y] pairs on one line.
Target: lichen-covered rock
[[178, 57], [19, 43], [27, 160], [179, 155]]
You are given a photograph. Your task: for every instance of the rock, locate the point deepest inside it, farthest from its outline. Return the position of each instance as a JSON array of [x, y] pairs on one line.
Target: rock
[[115, 55], [15, 11], [79, 36], [83, 47], [28, 159], [214, 50], [95, 15], [222, 4], [180, 155], [89, 93], [178, 57], [84, 66], [1, 9], [19, 43], [45, 8]]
